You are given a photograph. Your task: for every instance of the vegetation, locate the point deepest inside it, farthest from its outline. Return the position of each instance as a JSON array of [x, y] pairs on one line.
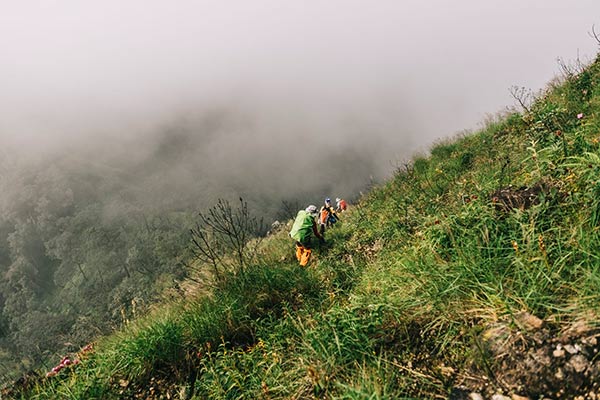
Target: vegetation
[[491, 240], [93, 234], [70, 267]]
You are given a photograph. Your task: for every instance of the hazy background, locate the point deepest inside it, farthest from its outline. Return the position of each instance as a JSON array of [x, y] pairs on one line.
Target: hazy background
[[280, 92]]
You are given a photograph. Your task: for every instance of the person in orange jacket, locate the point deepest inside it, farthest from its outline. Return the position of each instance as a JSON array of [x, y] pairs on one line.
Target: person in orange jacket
[[341, 205], [327, 216]]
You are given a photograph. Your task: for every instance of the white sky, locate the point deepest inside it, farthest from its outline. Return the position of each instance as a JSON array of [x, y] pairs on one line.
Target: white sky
[[405, 71]]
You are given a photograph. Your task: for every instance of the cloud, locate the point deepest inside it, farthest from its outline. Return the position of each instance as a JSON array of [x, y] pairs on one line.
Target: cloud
[[288, 86]]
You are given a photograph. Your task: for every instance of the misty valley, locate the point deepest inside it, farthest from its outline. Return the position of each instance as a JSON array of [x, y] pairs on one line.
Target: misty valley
[[89, 239]]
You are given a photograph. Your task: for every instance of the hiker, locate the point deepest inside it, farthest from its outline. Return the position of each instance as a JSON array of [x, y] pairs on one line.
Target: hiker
[[341, 205], [305, 225], [327, 216]]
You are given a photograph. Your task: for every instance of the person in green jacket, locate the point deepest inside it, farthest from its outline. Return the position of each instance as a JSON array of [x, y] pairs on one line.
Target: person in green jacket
[[305, 226]]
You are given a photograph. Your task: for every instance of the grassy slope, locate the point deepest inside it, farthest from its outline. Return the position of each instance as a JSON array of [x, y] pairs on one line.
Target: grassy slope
[[395, 305]]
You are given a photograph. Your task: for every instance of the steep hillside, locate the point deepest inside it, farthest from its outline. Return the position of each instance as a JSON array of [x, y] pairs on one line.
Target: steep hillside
[[473, 273]]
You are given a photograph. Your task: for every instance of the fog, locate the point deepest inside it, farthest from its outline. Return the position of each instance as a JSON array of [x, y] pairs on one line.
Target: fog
[[285, 97]]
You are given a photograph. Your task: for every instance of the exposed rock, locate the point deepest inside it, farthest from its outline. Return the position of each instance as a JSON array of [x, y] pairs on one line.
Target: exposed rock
[[276, 226], [579, 363], [542, 361], [510, 198], [528, 321], [571, 349], [558, 353]]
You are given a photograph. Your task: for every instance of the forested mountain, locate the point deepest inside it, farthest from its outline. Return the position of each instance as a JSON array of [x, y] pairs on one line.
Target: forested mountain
[[75, 264]]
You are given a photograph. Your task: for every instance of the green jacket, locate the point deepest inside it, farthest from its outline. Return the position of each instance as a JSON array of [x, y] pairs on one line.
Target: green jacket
[[303, 227]]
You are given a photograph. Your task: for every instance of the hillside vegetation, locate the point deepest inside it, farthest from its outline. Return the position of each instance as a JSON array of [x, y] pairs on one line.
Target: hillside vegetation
[[93, 232], [474, 271]]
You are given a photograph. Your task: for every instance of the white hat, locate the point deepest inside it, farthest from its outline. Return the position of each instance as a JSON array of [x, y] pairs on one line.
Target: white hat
[[337, 199], [311, 210]]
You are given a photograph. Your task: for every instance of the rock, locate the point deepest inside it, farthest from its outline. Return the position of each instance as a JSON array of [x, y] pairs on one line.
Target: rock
[[590, 341], [475, 396], [500, 397], [275, 227], [580, 327], [579, 363], [571, 349], [517, 397], [558, 353], [528, 321], [592, 396], [539, 357]]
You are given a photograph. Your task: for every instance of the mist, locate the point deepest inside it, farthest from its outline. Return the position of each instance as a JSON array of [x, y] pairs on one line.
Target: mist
[[282, 99]]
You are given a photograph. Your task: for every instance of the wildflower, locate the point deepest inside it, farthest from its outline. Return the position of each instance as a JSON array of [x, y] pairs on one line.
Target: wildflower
[[515, 246], [265, 388], [542, 244], [558, 132], [580, 115], [87, 347]]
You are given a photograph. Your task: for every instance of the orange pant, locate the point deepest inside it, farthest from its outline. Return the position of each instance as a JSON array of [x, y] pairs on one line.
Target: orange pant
[[302, 254]]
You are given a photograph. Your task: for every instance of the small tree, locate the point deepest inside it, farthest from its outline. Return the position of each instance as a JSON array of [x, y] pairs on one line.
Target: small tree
[[227, 238]]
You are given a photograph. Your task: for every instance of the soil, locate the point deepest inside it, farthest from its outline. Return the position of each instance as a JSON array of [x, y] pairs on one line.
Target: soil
[[531, 359]]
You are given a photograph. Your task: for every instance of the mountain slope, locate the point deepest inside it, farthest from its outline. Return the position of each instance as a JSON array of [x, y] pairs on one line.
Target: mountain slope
[[473, 272]]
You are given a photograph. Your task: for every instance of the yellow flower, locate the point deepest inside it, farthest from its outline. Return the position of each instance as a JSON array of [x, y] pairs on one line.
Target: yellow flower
[[515, 246], [542, 244]]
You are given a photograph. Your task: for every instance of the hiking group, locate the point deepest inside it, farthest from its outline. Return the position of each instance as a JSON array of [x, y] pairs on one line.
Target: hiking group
[[305, 227]]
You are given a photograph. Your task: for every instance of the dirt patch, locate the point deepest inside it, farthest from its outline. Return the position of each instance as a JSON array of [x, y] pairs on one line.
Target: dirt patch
[[510, 198], [527, 359]]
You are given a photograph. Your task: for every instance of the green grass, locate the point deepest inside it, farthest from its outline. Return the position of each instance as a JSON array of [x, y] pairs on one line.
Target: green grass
[[393, 305]]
